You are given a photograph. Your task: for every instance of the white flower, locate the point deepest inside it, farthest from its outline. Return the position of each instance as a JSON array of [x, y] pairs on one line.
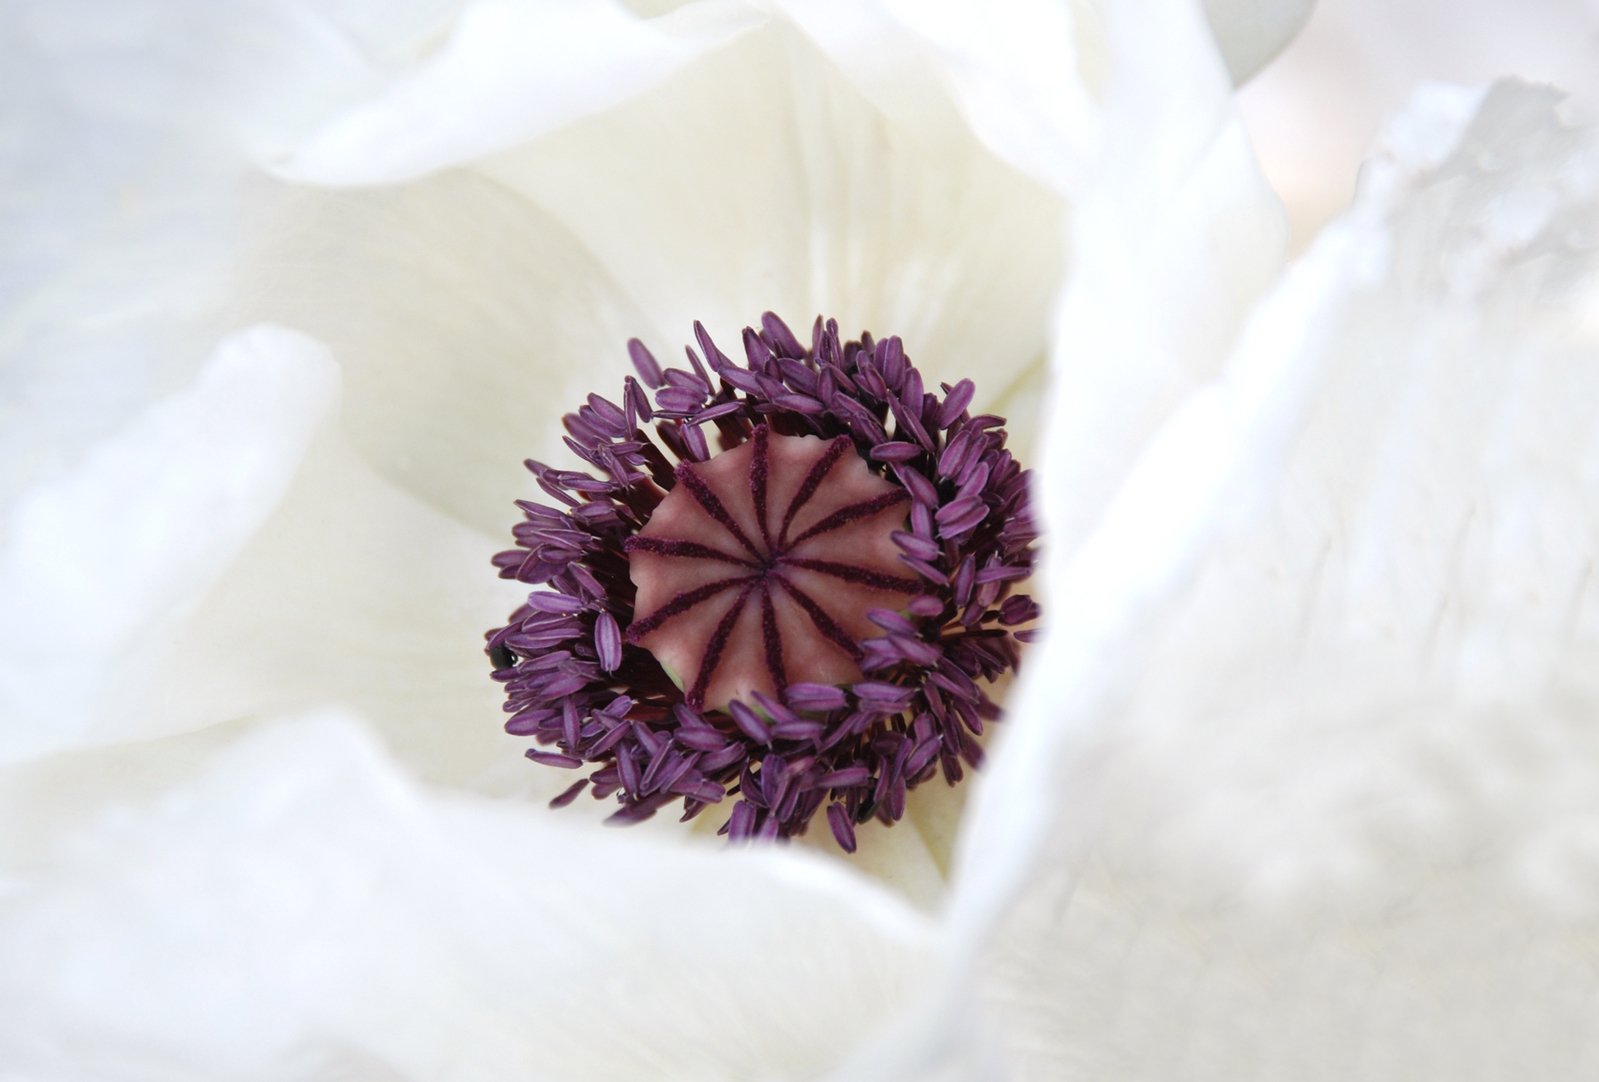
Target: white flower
[[1246, 474]]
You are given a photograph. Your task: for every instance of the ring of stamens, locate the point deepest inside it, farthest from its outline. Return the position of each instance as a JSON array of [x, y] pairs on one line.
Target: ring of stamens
[[842, 687]]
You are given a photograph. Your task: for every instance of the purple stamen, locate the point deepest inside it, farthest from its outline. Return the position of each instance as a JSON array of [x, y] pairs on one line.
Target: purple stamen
[[608, 642], [955, 403], [843, 830], [816, 697]]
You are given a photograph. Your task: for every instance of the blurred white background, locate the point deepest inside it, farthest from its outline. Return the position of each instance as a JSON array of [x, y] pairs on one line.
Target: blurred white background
[[1313, 112]]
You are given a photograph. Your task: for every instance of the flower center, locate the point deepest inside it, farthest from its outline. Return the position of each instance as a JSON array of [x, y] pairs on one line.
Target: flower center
[[761, 566], [810, 615]]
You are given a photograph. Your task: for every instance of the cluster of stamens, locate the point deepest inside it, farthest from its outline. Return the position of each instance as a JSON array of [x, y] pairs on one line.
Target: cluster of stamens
[[802, 616]]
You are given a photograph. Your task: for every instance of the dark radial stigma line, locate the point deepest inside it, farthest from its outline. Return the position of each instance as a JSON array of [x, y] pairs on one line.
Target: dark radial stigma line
[[824, 623], [774, 640], [693, 550], [714, 507], [863, 576], [759, 466], [679, 605], [813, 480], [852, 512], [716, 646]]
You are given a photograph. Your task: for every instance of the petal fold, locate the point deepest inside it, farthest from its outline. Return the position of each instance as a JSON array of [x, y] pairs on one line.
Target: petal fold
[[101, 563], [1319, 699], [298, 908], [508, 73]]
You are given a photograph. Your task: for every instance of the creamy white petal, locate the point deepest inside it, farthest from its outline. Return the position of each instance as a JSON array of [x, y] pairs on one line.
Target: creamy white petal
[[1023, 74], [45, 801], [103, 563], [796, 194], [127, 194], [358, 594], [912, 855], [298, 910], [1435, 532], [466, 321], [508, 73], [1172, 243], [1028, 75], [469, 312], [1345, 823]]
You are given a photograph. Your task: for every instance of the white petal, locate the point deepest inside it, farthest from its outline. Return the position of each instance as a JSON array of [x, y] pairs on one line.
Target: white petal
[[1028, 75], [1343, 810], [98, 192], [1023, 74], [123, 153], [44, 802], [298, 910], [796, 194], [469, 312], [1171, 245], [1251, 32], [251, 77], [358, 594], [465, 320], [911, 856], [102, 563], [1427, 561], [508, 73]]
